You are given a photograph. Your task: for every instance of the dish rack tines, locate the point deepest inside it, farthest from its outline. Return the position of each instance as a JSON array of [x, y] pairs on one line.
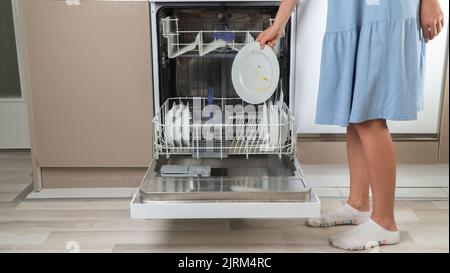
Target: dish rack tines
[[203, 41], [242, 133]]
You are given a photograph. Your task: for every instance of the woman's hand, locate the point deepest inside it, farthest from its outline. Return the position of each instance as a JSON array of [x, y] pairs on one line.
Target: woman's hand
[[431, 18], [270, 36]]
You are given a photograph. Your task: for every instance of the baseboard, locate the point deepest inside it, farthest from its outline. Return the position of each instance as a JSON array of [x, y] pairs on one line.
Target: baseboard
[[69, 193], [408, 175], [400, 193], [92, 177], [335, 152]]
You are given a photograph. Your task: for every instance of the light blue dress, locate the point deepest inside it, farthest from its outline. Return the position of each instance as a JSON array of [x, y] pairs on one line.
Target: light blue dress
[[372, 62]]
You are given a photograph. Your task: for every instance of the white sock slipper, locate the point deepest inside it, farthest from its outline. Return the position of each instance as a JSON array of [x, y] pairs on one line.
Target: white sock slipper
[[367, 235], [345, 215]]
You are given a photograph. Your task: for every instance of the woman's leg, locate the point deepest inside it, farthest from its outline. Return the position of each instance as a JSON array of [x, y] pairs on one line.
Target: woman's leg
[[380, 159], [379, 156], [359, 178], [356, 211]]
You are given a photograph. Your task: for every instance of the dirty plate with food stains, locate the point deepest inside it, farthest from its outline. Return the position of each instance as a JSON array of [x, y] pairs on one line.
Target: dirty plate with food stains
[[255, 73]]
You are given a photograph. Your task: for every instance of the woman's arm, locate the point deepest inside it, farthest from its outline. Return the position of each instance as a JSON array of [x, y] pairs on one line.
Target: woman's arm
[[273, 33], [431, 18]]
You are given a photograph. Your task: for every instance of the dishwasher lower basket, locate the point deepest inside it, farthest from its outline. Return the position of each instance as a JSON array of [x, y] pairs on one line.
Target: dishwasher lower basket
[[235, 128]]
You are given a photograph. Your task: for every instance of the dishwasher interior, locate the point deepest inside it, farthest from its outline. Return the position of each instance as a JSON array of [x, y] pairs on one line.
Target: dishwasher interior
[[197, 46], [212, 151]]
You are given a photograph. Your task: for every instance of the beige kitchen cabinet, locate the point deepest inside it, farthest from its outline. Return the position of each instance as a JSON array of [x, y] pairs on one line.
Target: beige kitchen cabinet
[[88, 75]]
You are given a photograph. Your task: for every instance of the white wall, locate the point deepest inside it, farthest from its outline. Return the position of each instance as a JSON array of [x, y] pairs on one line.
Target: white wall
[[311, 18], [14, 132], [14, 125]]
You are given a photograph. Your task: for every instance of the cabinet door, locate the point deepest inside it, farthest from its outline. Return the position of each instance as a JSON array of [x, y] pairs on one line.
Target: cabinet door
[[90, 82]]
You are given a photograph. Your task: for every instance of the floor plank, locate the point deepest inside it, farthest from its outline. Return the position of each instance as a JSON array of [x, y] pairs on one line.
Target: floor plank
[[168, 237], [441, 204], [22, 237], [55, 248], [61, 215], [75, 204], [200, 248], [99, 225], [13, 187], [425, 234], [8, 196]]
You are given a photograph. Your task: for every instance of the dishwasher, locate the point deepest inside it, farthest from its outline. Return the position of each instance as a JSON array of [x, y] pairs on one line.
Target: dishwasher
[[214, 155]]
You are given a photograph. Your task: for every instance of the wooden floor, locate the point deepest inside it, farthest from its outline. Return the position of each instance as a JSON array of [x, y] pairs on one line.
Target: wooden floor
[[105, 226]]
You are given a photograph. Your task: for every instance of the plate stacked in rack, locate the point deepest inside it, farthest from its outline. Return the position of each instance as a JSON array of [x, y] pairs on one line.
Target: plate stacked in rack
[[274, 126], [177, 126], [266, 132]]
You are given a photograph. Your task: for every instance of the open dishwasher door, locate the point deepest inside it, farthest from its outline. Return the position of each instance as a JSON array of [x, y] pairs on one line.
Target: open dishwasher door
[[265, 186]]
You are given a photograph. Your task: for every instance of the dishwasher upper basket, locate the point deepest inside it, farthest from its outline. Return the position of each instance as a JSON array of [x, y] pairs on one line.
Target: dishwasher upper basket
[[204, 41]]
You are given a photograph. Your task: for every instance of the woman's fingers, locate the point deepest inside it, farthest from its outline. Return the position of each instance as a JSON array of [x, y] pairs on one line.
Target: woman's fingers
[[262, 43], [268, 37], [262, 39], [426, 33], [259, 39], [439, 27], [430, 31], [274, 41], [433, 31]]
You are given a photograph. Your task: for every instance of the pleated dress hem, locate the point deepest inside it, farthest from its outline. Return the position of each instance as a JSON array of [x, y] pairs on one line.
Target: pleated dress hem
[[368, 117], [372, 72]]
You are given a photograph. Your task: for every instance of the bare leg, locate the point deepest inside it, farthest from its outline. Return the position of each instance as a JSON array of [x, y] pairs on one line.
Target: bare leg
[[359, 178], [380, 159], [356, 211]]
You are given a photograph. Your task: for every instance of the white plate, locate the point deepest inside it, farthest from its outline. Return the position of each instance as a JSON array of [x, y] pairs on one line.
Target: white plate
[[281, 101], [168, 127], [270, 121], [185, 130], [255, 73], [284, 127], [275, 128], [264, 125], [240, 127], [177, 125]]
